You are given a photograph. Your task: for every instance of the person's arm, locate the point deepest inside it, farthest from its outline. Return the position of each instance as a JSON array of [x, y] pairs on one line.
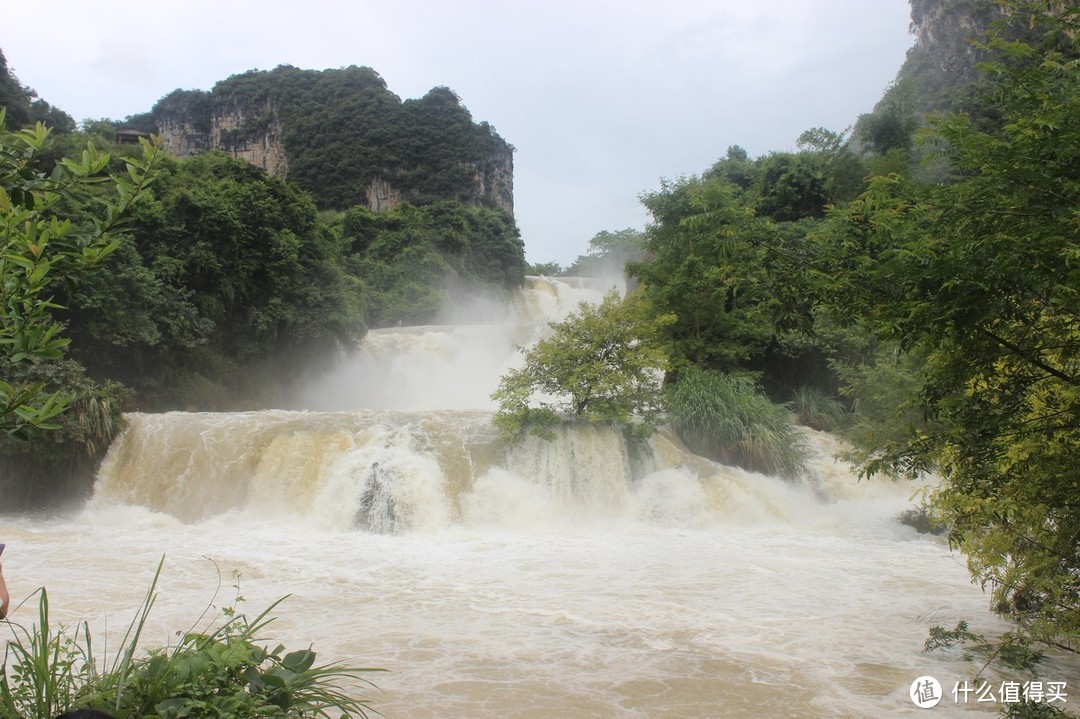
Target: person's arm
[[5, 598]]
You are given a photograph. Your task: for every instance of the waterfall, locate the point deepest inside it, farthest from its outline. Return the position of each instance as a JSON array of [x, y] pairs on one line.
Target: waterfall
[[448, 366], [387, 470], [586, 576], [410, 446]]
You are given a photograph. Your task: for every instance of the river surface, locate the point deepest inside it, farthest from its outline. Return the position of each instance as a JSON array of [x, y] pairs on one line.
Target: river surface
[[580, 578]]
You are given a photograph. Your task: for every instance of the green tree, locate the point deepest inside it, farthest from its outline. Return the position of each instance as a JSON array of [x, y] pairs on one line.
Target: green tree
[[419, 261], [24, 108], [602, 364], [791, 187], [546, 269], [736, 167], [608, 254], [843, 169], [227, 284], [892, 124], [42, 245], [705, 267], [983, 276]]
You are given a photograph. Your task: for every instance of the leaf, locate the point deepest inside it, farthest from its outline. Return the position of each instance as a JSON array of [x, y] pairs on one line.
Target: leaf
[[299, 661]]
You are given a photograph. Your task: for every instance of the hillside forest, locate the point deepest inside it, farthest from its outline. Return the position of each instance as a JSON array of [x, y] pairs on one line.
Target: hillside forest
[[911, 283], [211, 284]]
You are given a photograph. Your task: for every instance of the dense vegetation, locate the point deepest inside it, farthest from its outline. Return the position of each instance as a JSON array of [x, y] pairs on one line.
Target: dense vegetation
[[418, 262], [602, 364], [224, 284], [222, 669], [56, 226], [227, 279], [343, 129], [924, 269], [24, 107], [978, 277], [920, 272]]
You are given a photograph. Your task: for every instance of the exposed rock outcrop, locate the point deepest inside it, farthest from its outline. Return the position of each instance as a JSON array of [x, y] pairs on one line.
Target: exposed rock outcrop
[[382, 196], [345, 138]]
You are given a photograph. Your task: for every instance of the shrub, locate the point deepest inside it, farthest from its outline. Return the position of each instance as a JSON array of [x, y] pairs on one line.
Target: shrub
[[226, 672], [817, 410], [59, 460], [221, 671], [725, 417], [919, 519]]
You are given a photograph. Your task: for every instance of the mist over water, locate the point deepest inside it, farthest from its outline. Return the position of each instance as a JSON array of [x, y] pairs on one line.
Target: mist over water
[[454, 365], [575, 578]]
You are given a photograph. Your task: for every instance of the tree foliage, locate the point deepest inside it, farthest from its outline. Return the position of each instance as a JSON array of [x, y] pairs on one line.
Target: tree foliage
[[602, 364], [608, 254], [42, 244], [23, 106], [343, 129], [735, 281], [704, 268], [545, 269], [417, 262], [226, 271], [728, 252], [981, 276]]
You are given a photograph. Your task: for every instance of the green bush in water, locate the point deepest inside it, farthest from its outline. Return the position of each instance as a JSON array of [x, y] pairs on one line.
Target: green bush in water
[[726, 418]]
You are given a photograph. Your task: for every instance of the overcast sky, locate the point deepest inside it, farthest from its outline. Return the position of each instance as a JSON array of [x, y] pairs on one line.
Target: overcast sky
[[601, 98]]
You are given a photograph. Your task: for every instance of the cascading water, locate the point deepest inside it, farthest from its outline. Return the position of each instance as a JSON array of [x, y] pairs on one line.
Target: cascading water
[[575, 578], [450, 366]]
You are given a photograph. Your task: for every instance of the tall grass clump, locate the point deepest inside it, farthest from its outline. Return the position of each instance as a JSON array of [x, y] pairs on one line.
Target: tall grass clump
[[47, 671], [221, 670], [43, 669], [817, 410], [725, 417]]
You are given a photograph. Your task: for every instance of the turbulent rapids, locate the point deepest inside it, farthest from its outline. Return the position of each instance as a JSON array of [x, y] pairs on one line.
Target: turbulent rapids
[[405, 465], [577, 578], [398, 471], [422, 454]]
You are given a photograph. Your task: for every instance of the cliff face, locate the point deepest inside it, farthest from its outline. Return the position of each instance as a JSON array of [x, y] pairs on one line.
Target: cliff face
[[258, 139], [343, 137], [946, 53], [382, 196], [498, 181], [227, 132]]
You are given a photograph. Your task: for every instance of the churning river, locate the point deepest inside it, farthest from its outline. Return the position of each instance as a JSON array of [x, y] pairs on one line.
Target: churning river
[[570, 579]]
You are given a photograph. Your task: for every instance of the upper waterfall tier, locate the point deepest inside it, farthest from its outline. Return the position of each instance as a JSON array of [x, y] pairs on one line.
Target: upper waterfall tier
[[449, 366]]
